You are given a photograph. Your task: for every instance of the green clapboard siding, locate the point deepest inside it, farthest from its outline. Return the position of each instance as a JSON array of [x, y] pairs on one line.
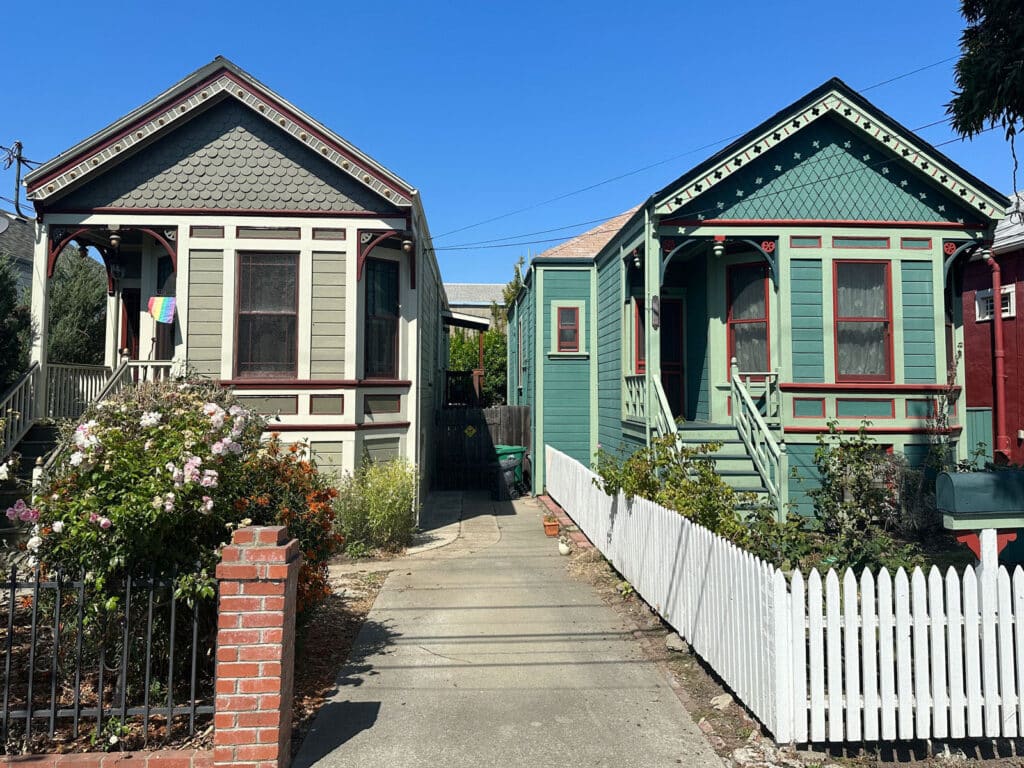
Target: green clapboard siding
[[698, 355], [327, 345], [609, 355], [918, 323], [806, 314], [916, 453], [979, 430], [205, 307], [805, 477], [566, 379]]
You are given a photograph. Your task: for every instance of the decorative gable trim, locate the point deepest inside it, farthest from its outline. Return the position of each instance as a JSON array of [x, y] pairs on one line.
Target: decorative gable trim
[[94, 159], [867, 121]]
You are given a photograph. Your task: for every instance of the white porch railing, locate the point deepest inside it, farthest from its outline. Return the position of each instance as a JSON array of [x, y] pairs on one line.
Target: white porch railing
[[836, 657], [70, 388], [634, 401], [767, 453], [18, 410], [663, 423]]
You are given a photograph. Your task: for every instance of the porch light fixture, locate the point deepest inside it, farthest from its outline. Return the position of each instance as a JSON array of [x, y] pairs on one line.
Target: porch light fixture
[[115, 240], [636, 258], [407, 245], [718, 249]]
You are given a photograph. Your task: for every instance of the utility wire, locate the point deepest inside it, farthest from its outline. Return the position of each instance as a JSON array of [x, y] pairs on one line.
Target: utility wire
[[660, 162], [762, 196]]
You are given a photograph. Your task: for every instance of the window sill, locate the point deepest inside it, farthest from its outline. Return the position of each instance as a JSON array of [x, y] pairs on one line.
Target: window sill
[[568, 355]]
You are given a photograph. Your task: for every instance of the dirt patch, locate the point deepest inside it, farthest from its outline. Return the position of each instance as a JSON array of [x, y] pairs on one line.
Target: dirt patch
[[732, 732], [331, 630]]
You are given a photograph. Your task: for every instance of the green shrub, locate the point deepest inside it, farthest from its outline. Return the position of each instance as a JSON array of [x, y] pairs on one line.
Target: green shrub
[[377, 506]]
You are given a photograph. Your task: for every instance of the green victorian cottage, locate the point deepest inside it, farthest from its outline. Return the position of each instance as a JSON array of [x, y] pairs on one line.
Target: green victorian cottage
[[808, 272]]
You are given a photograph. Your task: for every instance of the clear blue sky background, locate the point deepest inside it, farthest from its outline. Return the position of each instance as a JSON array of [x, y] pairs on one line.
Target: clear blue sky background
[[487, 108]]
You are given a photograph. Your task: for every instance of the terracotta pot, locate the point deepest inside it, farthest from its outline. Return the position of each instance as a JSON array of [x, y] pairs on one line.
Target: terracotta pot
[[551, 528]]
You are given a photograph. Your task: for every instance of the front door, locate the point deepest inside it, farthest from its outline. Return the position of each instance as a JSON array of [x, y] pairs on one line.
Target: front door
[[673, 355], [130, 306]]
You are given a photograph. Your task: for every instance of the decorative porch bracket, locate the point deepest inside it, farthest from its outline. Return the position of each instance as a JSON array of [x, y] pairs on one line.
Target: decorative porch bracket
[[59, 239], [952, 249], [369, 239], [766, 247]]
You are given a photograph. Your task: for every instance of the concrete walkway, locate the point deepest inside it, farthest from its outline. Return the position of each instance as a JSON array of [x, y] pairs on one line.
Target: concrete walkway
[[483, 651]]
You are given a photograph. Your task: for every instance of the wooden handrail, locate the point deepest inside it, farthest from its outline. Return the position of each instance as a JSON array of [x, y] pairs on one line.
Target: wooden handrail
[[768, 455]]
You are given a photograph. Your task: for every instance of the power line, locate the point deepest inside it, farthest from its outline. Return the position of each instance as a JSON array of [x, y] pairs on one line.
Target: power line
[[659, 162], [754, 197]]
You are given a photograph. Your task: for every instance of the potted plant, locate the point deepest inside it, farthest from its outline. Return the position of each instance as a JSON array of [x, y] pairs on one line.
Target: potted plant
[[550, 525]]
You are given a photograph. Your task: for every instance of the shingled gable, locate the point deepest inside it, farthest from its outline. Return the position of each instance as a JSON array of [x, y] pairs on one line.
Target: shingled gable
[[836, 101], [208, 88]]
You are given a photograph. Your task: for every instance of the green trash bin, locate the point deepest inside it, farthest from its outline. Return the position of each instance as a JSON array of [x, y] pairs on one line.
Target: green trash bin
[[512, 452]]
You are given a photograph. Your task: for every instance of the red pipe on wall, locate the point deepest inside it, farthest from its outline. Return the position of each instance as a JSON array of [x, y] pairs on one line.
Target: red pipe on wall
[[1002, 447]]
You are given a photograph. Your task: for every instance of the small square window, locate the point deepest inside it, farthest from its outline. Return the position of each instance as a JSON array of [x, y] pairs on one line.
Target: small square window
[[984, 307]]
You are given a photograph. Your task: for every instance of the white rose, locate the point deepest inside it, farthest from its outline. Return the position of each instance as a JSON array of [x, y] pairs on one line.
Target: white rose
[[34, 543], [58, 527], [4, 472]]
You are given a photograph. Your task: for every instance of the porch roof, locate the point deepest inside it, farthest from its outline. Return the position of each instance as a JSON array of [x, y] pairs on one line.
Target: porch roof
[[1010, 231], [162, 114], [461, 320]]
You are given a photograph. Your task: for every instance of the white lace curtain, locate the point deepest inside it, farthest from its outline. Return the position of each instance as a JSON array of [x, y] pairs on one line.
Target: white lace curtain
[[862, 345]]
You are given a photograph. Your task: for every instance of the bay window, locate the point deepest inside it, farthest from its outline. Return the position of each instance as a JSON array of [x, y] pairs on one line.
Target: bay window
[[863, 321]]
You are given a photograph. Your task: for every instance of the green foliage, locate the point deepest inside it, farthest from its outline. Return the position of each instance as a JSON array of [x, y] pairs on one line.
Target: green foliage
[[464, 355], [77, 311], [15, 327], [377, 506], [513, 286], [990, 72]]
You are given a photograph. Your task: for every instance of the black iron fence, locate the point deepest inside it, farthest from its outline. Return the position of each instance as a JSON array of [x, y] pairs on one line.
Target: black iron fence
[[126, 666]]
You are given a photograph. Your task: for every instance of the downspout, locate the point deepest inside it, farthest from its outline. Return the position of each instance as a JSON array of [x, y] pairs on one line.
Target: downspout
[[1002, 447]]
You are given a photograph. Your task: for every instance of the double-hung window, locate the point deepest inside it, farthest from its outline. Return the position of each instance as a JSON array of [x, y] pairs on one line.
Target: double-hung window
[[748, 317], [267, 318], [863, 321], [381, 319], [568, 329]]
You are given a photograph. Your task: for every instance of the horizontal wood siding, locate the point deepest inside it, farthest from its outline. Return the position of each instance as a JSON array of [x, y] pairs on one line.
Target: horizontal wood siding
[[328, 455], [805, 477], [918, 323], [327, 343], [979, 430], [566, 379], [806, 315], [609, 355], [205, 308], [698, 353]]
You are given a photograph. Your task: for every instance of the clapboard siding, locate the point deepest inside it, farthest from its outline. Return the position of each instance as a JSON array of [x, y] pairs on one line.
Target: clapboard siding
[[328, 455], [918, 322], [205, 310], [566, 379], [327, 342], [806, 315], [979, 432], [609, 355]]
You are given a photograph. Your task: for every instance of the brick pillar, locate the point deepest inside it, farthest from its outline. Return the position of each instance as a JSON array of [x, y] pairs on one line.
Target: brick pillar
[[256, 649]]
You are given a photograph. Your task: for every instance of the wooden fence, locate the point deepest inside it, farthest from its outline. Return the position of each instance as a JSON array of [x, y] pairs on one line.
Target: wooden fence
[[466, 438], [836, 659]]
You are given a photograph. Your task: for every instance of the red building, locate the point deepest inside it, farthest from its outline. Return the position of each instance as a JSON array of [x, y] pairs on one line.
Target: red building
[[991, 414]]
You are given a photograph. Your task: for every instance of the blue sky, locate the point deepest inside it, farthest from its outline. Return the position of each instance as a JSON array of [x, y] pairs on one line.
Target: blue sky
[[488, 108]]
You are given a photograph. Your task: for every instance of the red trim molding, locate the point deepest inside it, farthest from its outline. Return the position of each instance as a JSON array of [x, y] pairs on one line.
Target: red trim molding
[[877, 430], [56, 210], [793, 386], [339, 427], [257, 383], [816, 223]]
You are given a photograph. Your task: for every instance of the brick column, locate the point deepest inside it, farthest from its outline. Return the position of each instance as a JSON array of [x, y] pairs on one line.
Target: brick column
[[256, 649]]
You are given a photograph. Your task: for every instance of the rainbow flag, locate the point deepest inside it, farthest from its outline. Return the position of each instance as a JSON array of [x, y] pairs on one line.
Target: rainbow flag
[[162, 308]]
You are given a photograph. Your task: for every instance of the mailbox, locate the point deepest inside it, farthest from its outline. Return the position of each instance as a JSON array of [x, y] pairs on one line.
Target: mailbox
[[972, 501]]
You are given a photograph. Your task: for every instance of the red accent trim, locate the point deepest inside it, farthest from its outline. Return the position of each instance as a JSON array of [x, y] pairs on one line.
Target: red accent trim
[[639, 338], [892, 408], [731, 352], [791, 386], [55, 251], [238, 294], [256, 383], [888, 243], [365, 249], [887, 319], [973, 541], [905, 247], [877, 430], [806, 237], [233, 212], [819, 400], [338, 427], [265, 96], [574, 326], [817, 223]]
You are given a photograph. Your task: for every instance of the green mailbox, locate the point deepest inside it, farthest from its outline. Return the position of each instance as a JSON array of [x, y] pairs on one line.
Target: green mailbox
[[972, 501]]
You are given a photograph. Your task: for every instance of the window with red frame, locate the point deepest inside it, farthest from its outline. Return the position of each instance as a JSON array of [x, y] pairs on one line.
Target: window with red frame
[[639, 338], [568, 329], [748, 316], [267, 314], [863, 321]]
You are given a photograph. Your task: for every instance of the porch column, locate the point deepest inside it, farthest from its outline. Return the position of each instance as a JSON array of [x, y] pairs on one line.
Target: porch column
[[40, 310]]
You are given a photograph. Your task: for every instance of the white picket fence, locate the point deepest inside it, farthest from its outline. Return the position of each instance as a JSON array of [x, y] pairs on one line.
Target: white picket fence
[[828, 659]]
